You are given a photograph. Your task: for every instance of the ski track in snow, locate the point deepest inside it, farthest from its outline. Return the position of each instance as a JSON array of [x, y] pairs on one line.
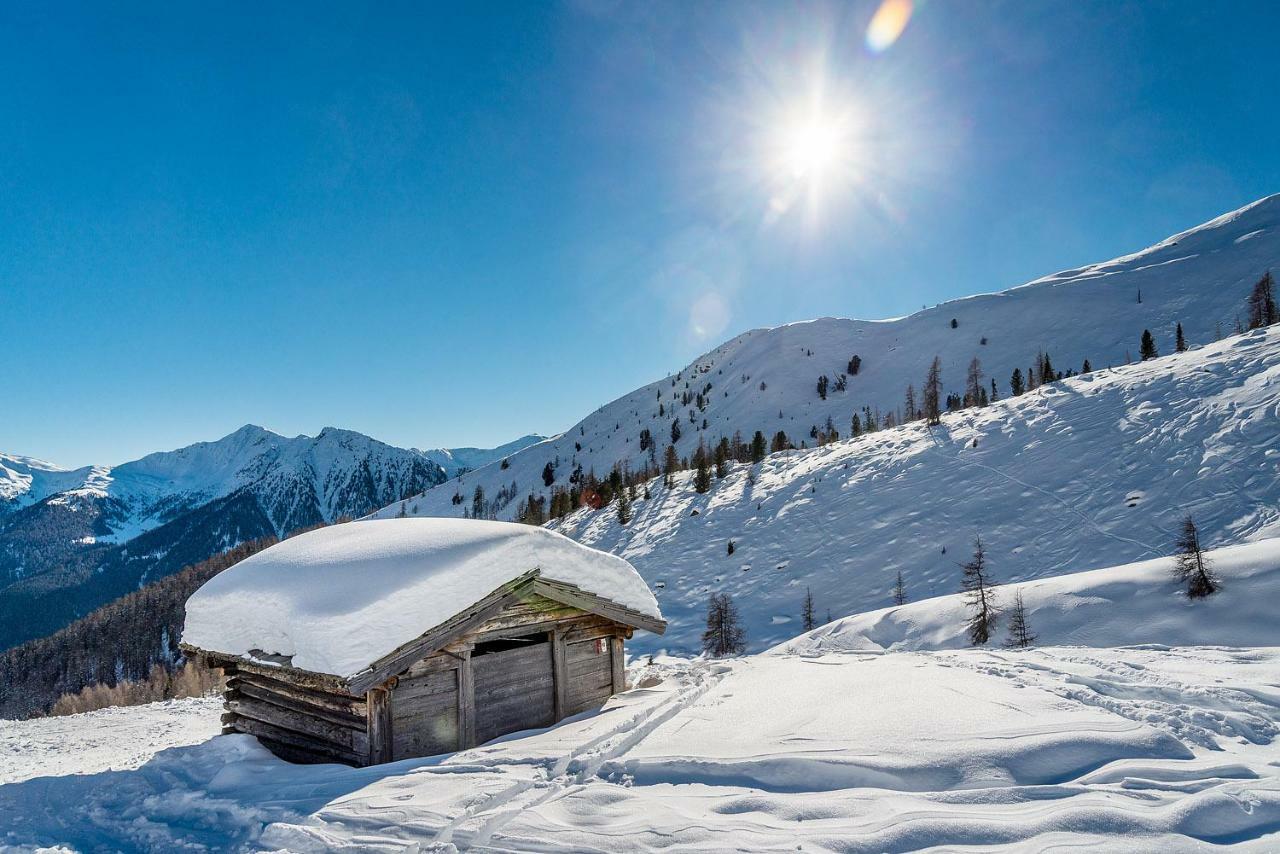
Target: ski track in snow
[[1128, 749]]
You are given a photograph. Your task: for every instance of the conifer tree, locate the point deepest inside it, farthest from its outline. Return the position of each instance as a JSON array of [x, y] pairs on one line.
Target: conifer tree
[[624, 507], [1180, 342], [973, 383], [908, 404], [670, 465], [822, 386], [995, 394], [933, 392], [758, 447], [722, 459], [1015, 383], [1086, 367], [730, 547], [1020, 635], [806, 612], [780, 442], [675, 430], [855, 365], [1147, 349], [724, 634], [899, 591], [1262, 303], [548, 474], [1190, 565], [702, 475], [980, 588], [855, 426]]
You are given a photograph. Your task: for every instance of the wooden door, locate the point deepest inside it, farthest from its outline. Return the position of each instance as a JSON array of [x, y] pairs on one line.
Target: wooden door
[[424, 715], [514, 689]]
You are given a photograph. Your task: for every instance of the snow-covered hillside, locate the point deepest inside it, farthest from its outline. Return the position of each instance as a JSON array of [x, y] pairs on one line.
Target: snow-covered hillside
[[766, 379], [1139, 749], [1132, 605], [1093, 471]]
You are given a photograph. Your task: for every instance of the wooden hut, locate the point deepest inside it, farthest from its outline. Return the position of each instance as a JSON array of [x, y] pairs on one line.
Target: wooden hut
[[382, 640]]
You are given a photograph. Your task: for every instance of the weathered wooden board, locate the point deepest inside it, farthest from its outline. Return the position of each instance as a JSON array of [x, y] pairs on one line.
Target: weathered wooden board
[[338, 703], [345, 738], [292, 703], [514, 690], [288, 737], [424, 715]]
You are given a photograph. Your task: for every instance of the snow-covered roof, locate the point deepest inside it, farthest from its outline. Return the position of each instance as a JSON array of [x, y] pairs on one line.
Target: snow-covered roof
[[340, 598]]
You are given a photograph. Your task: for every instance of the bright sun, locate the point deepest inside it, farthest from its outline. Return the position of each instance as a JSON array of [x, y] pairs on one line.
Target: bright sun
[[813, 148]]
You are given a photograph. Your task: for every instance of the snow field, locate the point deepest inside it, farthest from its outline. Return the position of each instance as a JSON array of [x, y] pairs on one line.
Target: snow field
[[1137, 749]]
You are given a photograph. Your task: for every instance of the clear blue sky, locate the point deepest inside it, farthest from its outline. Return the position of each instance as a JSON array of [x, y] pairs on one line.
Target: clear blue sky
[[446, 224]]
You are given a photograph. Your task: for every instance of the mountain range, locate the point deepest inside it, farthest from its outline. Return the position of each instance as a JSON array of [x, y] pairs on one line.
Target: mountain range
[[71, 540]]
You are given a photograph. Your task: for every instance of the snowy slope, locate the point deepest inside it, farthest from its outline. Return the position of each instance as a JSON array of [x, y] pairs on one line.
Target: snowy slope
[[846, 746], [1134, 604], [1092, 471], [766, 379], [1134, 750]]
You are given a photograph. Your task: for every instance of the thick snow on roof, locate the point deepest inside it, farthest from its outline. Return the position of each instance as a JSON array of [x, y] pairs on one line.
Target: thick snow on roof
[[339, 598]]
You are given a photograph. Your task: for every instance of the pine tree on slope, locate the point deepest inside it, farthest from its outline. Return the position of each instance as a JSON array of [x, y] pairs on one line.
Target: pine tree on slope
[[1180, 342], [899, 591], [1147, 349]]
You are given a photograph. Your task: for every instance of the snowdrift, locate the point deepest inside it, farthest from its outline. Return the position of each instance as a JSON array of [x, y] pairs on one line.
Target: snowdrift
[[1134, 604]]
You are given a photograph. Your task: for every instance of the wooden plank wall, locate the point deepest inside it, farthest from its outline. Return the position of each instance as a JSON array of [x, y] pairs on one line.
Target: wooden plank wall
[[514, 690], [424, 714], [297, 723]]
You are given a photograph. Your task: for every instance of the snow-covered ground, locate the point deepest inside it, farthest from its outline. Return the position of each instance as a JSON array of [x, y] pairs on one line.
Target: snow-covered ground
[[1129, 749], [832, 743], [1089, 472]]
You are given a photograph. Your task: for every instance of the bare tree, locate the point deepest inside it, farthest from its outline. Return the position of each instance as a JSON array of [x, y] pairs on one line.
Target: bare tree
[[933, 392], [724, 634], [1020, 634], [981, 599], [899, 591], [806, 613], [973, 383], [1190, 565]]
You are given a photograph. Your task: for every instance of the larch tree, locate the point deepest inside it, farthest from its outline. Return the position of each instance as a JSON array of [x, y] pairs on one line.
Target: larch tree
[[807, 619], [1262, 303], [1020, 634], [933, 392], [981, 598], [973, 383], [1190, 566], [724, 634]]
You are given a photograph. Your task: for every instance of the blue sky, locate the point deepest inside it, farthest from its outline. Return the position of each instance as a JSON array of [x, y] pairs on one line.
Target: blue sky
[[448, 224]]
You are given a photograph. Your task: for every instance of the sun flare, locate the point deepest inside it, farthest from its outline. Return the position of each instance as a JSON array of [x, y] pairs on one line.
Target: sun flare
[[812, 148]]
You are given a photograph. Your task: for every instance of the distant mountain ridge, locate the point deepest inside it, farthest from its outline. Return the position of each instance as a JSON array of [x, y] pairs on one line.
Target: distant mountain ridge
[[71, 540]]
